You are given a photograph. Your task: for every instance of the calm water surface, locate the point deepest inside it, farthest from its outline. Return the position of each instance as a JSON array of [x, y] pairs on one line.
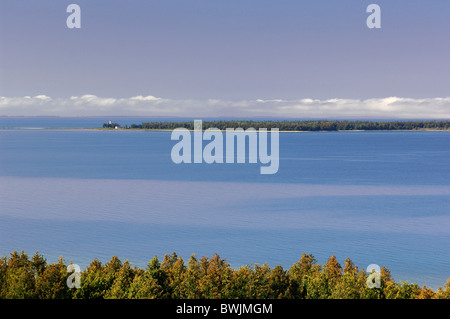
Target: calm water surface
[[376, 197]]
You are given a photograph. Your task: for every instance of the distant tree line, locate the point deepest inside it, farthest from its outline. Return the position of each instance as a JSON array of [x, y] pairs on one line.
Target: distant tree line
[[22, 277], [297, 125]]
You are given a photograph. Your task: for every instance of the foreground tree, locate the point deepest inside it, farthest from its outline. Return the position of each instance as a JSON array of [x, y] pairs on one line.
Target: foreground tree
[[51, 282], [123, 279], [20, 280], [213, 277]]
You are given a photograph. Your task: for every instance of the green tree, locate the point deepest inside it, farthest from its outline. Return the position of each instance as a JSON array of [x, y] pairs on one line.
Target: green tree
[[213, 282], [407, 291], [444, 293], [239, 284], [20, 281], [191, 279], [51, 282], [151, 284], [175, 271], [97, 279], [279, 282], [426, 293], [144, 286], [3, 276], [122, 282], [38, 264], [156, 271], [348, 286], [388, 286], [301, 271], [260, 284], [333, 269], [365, 291]]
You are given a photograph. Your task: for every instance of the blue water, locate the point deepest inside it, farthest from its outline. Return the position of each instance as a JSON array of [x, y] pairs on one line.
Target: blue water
[[376, 197]]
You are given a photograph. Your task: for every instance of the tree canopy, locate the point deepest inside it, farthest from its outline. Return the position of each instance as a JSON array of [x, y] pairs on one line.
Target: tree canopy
[[204, 278]]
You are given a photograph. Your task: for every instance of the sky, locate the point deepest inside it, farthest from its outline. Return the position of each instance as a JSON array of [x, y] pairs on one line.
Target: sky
[[222, 58]]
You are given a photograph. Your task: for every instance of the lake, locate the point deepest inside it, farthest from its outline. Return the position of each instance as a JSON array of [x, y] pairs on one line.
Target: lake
[[376, 197]]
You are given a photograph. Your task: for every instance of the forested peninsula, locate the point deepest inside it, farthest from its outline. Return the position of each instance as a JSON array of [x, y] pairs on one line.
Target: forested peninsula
[[22, 277], [293, 126]]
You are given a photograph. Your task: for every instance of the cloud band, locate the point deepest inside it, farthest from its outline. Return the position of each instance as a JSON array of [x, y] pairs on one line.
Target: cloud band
[[92, 105]]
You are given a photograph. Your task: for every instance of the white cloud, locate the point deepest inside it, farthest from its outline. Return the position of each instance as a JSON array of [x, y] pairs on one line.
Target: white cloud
[[43, 97], [92, 105], [145, 98]]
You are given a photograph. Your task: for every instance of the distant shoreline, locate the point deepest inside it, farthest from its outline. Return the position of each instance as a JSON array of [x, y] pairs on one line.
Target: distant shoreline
[[283, 126], [190, 130], [289, 125]]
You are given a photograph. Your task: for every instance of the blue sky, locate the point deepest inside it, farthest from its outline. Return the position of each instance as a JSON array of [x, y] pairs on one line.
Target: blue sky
[[198, 54]]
